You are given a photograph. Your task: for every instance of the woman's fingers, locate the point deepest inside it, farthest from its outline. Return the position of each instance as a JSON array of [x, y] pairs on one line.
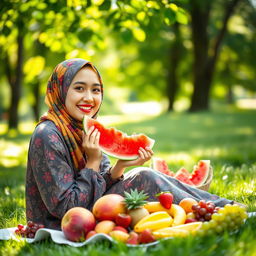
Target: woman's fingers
[[145, 154], [150, 151], [97, 138], [93, 137], [88, 134]]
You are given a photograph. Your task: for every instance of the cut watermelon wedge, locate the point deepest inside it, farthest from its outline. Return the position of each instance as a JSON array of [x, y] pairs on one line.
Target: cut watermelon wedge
[[161, 165], [197, 178], [200, 173], [116, 143], [184, 176]]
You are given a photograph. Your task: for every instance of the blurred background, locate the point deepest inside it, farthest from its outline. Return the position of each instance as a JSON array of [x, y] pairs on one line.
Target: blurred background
[[154, 56]]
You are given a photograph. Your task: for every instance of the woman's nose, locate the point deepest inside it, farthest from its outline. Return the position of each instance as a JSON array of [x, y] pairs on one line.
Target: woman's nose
[[87, 96]]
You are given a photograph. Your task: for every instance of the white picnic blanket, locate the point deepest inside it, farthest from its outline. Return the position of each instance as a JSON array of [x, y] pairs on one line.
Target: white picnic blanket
[[59, 238]]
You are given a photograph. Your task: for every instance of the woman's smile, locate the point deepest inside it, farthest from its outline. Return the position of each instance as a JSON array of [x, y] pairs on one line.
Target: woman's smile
[[86, 108]]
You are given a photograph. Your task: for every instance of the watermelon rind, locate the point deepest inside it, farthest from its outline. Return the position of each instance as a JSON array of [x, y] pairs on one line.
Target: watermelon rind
[[203, 175], [112, 154]]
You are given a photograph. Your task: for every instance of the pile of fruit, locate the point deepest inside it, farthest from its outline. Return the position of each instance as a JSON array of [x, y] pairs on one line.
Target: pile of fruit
[[133, 220]]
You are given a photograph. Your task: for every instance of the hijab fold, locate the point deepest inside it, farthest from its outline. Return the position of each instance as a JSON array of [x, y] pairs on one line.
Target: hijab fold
[[57, 88]]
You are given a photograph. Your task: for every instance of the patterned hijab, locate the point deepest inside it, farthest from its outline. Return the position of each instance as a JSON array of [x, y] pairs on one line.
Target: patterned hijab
[[57, 88]]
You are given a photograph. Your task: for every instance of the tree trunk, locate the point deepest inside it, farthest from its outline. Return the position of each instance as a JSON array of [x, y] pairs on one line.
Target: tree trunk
[[230, 95], [205, 58], [39, 49], [36, 104], [175, 53], [15, 85], [200, 18]]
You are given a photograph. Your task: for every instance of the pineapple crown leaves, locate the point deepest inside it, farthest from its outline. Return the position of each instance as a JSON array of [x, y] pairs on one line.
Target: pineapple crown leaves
[[135, 199]]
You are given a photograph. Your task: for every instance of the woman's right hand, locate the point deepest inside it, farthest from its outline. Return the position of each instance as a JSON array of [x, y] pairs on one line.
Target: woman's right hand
[[91, 148]]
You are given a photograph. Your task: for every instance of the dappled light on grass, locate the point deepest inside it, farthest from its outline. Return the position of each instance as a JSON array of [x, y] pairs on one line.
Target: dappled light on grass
[[24, 128], [12, 203], [13, 154], [144, 108], [238, 183], [8, 246], [27, 127], [112, 120], [246, 103]]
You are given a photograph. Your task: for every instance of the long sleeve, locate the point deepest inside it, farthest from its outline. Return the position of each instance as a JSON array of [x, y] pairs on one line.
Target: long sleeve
[[53, 187]]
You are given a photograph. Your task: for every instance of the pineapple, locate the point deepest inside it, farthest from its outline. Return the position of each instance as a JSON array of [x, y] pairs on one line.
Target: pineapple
[[134, 203]]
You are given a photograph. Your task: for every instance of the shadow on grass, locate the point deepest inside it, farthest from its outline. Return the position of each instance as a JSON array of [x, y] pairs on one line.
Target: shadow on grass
[[16, 138], [12, 176]]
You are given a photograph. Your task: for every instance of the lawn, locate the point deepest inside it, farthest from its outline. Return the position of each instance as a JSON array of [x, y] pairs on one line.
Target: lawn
[[226, 137]]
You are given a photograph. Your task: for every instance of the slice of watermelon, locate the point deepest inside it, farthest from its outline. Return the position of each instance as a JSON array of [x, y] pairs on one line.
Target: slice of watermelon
[[184, 176], [170, 173], [200, 173], [116, 143], [161, 165]]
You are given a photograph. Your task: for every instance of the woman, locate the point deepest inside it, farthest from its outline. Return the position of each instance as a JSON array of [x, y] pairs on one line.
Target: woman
[[66, 167]]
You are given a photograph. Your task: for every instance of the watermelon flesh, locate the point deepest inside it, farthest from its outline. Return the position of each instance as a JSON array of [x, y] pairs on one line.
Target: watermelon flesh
[[183, 175], [161, 165], [197, 178], [200, 172], [116, 143]]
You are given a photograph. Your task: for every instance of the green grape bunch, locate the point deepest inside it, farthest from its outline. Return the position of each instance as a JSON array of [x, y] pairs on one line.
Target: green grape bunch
[[228, 218]]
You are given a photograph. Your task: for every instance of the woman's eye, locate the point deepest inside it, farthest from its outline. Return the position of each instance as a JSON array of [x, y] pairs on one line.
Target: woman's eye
[[97, 90], [79, 88]]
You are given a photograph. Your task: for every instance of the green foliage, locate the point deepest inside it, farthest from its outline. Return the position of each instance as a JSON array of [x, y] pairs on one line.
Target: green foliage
[[126, 40]]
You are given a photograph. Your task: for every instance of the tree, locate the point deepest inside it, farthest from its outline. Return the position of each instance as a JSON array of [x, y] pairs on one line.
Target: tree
[[174, 58], [206, 53], [155, 25], [13, 72]]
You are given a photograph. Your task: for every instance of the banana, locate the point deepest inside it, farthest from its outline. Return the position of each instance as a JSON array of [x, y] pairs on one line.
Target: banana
[[176, 211], [156, 220], [154, 207], [178, 214], [170, 232], [191, 227]]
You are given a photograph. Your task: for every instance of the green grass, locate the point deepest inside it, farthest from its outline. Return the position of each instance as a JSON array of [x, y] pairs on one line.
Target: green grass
[[227, 138]]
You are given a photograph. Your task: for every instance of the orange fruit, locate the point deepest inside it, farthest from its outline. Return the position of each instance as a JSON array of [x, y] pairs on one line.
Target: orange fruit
[[186, 204]]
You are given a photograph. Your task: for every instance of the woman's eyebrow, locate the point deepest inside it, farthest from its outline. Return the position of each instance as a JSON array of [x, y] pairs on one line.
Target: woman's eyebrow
[[81, 82]]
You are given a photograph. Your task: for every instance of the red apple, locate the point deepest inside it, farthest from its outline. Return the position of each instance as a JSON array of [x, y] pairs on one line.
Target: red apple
[[76, 223], [146, 236], [120, 228], [123, 220], [133, 238], [108, 207]]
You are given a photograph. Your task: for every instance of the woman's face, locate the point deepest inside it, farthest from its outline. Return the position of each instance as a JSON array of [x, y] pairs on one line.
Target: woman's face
[[84, 95]]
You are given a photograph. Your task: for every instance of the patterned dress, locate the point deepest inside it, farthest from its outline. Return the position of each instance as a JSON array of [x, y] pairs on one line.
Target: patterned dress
[[53, 186]]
